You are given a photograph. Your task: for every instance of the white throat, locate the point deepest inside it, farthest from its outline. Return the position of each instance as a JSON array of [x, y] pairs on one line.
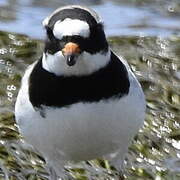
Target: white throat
[[86, 63]]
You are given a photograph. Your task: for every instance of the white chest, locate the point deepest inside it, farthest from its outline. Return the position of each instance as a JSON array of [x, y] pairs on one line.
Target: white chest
[[81, 131]]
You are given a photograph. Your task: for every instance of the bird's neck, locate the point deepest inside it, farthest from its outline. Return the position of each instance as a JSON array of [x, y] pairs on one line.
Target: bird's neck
[[86, 64], [59, 91]]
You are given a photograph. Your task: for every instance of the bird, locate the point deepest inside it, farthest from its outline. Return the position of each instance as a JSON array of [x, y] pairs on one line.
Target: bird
[[79, 101]]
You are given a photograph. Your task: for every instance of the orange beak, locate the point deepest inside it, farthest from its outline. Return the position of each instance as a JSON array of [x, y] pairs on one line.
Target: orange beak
[[71, 51]]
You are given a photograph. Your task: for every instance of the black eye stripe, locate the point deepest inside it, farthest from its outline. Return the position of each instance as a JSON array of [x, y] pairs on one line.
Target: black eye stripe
[[76, 39], [72, 38], [93, 44]]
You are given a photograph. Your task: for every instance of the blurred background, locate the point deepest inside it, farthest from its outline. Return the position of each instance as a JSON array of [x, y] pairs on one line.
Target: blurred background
[[147, 34], [121, 17]]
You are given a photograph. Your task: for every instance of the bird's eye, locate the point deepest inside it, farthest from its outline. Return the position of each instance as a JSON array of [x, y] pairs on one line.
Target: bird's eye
[[50, 51], [62, 44]]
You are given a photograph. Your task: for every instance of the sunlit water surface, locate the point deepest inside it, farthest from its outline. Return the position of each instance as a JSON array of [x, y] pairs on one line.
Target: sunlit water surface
[[155, 151]]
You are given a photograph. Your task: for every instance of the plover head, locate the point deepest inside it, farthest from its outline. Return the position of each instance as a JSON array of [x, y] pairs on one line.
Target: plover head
[[76, 43]]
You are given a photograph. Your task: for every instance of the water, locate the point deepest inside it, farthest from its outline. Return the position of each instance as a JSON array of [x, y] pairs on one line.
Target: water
[[152, 48], [158, 17]]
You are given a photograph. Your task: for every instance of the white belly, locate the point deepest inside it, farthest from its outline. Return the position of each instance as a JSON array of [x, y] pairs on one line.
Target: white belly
[[82, 131]]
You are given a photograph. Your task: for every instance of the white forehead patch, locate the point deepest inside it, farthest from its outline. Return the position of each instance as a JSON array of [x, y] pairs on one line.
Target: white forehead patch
[[70, 27]]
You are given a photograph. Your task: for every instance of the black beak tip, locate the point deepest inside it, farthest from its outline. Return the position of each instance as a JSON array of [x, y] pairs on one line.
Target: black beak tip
[[71, 60]]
